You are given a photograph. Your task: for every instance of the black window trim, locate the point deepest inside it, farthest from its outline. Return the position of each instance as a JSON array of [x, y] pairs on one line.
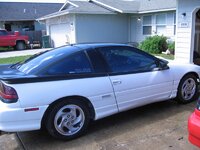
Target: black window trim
[[104, 63], [109, 71]]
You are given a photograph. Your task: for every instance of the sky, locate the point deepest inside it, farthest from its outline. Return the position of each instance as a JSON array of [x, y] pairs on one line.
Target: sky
[[47, 1]]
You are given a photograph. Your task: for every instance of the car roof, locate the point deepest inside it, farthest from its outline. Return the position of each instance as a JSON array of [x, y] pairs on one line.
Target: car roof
[[87, 46], [97, 45]]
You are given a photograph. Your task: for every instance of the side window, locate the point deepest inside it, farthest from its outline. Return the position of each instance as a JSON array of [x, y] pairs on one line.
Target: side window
[[124, 59], [76, 63]]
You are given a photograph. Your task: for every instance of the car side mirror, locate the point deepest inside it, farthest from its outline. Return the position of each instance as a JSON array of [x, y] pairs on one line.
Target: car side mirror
[[163, 65]]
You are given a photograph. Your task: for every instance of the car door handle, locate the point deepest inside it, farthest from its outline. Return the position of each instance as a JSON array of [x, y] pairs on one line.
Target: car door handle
[[115, 82], [106, 96]]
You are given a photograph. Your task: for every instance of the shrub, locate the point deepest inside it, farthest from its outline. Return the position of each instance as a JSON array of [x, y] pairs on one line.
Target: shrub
[[155, 44], [171, 47]]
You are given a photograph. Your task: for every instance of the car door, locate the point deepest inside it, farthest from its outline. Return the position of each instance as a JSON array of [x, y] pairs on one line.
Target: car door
[[135, 77], [3, 40], [6, 39], [85, 77]]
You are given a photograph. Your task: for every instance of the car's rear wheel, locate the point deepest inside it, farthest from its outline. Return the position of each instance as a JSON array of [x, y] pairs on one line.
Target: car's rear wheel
[[188, 89], [20, 45], [68, 119]]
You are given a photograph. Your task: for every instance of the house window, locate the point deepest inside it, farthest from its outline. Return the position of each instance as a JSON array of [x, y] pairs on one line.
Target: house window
[[161, 24], [174, 23], [147, 25]]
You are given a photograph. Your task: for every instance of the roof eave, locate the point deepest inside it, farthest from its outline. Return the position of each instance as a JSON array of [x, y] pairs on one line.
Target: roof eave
[[51, 16], [97, 12], [17, 20], [68, 2], [158, 10], [75, 12]]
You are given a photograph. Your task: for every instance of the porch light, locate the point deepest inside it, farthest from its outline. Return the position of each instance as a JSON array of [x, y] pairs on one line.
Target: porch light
[[139, 19], [183, 15]]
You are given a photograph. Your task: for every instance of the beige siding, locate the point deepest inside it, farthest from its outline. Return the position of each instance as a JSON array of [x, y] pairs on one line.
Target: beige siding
[[185, 37]]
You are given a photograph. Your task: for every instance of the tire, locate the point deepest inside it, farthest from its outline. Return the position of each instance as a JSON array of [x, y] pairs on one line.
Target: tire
[[68, 119], [187, 89], [20, 45]]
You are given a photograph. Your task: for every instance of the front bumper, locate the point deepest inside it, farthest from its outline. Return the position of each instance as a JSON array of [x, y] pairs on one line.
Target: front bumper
[[15, 119], [194, 128]]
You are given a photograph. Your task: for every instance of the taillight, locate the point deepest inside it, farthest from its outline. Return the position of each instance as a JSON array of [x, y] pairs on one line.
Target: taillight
[[7, 94]]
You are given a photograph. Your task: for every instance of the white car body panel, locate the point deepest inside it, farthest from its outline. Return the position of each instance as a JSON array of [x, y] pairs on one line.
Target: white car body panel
[[179, 70], [98, 90], [16, 119], [142, 88], [107, 99]]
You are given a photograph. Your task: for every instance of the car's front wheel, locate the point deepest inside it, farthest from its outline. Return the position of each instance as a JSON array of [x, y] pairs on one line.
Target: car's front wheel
[[68, 119], [188, 89]]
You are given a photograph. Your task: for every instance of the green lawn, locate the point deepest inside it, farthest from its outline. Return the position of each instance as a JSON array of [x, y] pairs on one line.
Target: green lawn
[[171, 57], [12, 60], [6, 48]]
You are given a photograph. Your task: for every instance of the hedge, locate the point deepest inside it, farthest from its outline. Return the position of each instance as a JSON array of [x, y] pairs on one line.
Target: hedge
[[154, 44]]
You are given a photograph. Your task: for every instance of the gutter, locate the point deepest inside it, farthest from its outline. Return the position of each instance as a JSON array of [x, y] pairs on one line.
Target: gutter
[[52, 16], [66, 13], [154, 11]]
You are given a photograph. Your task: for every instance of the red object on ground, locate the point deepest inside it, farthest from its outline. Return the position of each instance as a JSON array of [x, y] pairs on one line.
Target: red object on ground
[[194, 128], [14, 40]]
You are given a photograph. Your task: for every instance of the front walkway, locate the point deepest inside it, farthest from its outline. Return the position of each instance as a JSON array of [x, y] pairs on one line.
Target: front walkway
[[21, 53]]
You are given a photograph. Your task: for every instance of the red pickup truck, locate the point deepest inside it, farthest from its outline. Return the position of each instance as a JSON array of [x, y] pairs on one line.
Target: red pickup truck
[[16, 40]]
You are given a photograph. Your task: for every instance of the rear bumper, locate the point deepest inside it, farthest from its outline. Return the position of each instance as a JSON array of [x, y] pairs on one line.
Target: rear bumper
[[16, 119], [194, 128]]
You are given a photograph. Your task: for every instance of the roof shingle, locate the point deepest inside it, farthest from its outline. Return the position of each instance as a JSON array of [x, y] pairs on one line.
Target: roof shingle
[[21, 11]]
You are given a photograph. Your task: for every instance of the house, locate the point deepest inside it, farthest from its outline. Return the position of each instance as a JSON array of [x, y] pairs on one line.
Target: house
[[188, 30], [128, 21], [21, 16], [80, 21]]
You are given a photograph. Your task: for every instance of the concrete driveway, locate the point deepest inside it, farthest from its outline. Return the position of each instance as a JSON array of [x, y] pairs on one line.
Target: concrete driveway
[[160, 126]]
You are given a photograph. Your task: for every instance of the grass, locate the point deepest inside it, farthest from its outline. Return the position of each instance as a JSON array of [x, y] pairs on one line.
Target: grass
[[12, 60], [170, 57], [6, 48]]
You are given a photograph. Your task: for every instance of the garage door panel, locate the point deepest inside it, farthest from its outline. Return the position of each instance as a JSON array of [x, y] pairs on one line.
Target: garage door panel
[[60, 34]]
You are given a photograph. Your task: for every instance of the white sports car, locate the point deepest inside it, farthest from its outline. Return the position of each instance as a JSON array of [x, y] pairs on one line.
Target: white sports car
[[65, 88]]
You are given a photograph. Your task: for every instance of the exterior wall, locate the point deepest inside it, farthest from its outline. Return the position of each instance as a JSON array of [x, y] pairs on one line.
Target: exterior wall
[[68, 31], [102, 28], [39, 26], [186, 29], [1, 25], [136, 27]]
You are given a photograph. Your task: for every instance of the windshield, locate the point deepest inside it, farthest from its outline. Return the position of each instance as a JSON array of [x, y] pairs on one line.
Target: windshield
[[40, 61]]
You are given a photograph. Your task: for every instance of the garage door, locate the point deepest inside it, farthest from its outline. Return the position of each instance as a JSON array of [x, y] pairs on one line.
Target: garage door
[[60, 34]]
